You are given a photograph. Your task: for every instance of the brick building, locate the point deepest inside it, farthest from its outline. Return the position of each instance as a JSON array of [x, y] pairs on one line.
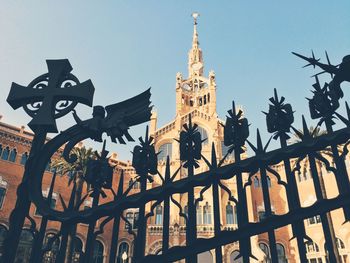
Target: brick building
[[196, 96]]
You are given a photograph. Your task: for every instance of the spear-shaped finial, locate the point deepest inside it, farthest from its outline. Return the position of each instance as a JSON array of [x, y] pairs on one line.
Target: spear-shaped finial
[[306, 131], [121, 184], [213, 156], [167, 170]]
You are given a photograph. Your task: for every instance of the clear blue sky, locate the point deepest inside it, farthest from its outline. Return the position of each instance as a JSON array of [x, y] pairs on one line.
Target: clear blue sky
[[125, 47]]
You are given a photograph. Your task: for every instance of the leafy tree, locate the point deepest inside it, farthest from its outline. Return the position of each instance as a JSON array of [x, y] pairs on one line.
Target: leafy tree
[[76, 172]]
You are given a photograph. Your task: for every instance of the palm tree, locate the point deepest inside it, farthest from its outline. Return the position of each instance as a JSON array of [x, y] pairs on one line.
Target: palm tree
[[76, 172], [326, 152]]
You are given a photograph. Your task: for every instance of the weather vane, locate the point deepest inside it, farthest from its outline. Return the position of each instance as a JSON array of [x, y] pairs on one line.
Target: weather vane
[[195, 15]]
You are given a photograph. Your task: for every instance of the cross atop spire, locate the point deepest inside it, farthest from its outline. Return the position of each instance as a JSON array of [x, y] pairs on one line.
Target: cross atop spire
[[195, 59], [195, 34]]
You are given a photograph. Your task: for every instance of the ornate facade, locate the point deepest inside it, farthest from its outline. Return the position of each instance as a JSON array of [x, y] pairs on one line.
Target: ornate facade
[[196, 97]]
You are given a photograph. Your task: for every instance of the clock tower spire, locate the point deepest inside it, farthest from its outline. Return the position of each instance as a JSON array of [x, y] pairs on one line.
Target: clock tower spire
[[196, 92], [195, 57]]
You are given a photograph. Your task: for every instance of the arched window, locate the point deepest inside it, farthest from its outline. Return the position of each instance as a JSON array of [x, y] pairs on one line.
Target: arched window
[[123, 252], [256, 182], [340, 244], [200, 101], [199, 214], [3, 233], [204, 134], [51, 254], [134, 184], [77, 249], [265, 248], [281, 253], [311, 247], [342, 252], [13, 155], [207, 214], [234, 254], [98, 252], [2, 196], [129, 217], [314, 220], [231, 217], [24, 158], [5, 153], [159, 215], [135, 221], [164, 151], [132, 217], [24, 247]]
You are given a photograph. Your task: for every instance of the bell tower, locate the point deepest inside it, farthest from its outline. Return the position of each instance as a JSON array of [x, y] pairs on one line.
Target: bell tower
[[197, 91]]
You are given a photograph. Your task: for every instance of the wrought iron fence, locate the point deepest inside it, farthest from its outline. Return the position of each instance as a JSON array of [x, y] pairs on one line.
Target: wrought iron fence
[[40, 99]]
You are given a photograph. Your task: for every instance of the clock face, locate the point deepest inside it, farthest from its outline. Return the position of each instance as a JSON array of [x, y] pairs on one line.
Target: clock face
[[197, 66]]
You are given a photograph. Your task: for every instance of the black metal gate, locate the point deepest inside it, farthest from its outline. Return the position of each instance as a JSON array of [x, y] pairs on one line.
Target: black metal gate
[[43, 95]]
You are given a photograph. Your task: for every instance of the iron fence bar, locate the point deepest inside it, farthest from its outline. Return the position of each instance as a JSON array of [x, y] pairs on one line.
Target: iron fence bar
[[66, 229], [37, 253], [294, 203], [22, 206], [90, 239], [341, 175], [268, 212], [216, 205], [116, 222], [140, 241], [114, 242], [166, 217], [191, 228], [251, 229], [242, 209], [330, 239]]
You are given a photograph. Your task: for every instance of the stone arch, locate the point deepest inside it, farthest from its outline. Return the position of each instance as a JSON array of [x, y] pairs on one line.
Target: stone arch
[[229, 249], [104, 243], [266, 244], [98, 255], [284, 247], [82, 238], [155, 246], [126, 245], [51, 230]]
